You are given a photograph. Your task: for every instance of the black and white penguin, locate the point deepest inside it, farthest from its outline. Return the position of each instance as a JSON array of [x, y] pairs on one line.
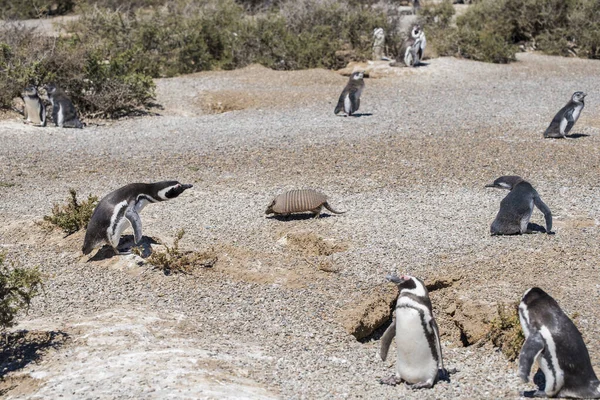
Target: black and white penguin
[[349, 100], [34, 110], [122, 207], [556, 344], [563, 121], [413, 47], [516, 208], [419, 354], [64, 113]]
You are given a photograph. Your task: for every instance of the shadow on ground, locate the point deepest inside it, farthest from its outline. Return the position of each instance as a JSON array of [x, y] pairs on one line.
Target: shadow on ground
[[23, 347]]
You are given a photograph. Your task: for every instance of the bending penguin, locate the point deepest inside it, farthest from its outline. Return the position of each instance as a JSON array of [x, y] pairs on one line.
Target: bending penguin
[[122, 207], [349, 101], [419, 354], [563, 121], [516, 208], [64, 113], [555, 343], [34, 109]]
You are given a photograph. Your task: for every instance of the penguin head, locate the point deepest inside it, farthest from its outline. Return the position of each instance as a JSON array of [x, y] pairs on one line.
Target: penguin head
[[416, 31], [357, 75], [30, 91], [506, 182], [50, 89], [407, 283], [168, 190], [578, 97]]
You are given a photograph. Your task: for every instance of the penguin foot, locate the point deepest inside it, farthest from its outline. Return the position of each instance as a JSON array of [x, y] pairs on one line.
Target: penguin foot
[[391, 380], [444, 374], [533, 393], [421, 385]]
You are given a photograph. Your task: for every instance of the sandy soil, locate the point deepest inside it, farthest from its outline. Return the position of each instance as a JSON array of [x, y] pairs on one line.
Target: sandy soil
[[268, 320]]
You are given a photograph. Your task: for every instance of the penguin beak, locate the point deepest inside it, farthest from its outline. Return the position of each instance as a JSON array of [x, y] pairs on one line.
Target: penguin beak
[[396, 279], [186, 186], [490, 185]]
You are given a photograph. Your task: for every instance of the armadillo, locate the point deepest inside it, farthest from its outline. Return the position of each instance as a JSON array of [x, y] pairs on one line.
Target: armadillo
[[302, 200]]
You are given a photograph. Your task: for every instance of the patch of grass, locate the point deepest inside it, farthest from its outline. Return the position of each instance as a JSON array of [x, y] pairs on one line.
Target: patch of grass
[[18, 286], [73, 215], [7, 184], [24, 9], [492, 30], [174, 260], [505, 331]]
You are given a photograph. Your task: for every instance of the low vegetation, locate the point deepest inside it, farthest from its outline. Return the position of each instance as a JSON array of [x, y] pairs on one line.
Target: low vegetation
[[174, 260], [505, 331], [493, 30], [73, 215], [18, 286]]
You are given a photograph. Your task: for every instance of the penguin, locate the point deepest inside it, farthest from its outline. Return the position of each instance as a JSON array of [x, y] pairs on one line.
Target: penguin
[[64, 113], [419, 353], [34, 109], [413, 47], [516, 208], [555, 343], [123, 206], [563, 121], [349, 101]]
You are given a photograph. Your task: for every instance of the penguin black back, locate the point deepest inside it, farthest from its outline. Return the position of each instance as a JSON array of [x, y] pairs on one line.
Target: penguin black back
[[124, 204], [563, 356]]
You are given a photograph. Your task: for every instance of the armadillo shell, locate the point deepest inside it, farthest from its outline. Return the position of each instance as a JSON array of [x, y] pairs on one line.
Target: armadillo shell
[[298, 201]]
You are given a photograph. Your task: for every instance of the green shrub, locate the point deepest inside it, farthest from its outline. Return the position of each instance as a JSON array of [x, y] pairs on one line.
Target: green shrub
[[490, 30], [18, 286], [74, 215]]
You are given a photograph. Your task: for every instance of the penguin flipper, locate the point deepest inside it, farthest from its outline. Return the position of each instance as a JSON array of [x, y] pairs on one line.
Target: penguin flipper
[[547, 213], [136, 224], [531, 348], [386, 339]]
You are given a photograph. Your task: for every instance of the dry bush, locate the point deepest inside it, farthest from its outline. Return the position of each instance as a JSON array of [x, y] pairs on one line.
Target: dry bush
[[490, 30], [18, 286], [175, 260], [505, 331], [73, 215], [24, 9]]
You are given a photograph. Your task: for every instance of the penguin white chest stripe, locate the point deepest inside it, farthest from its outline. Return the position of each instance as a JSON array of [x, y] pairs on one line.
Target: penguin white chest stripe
[[415, 362], [524, 318], [406, 302], [555, 377], [117, 221], [576, 112], [61, 115], [347, 104]]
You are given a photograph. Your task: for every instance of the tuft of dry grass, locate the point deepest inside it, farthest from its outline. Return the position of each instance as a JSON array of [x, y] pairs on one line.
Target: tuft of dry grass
[[505, 331], [73, 215], [175, 260]]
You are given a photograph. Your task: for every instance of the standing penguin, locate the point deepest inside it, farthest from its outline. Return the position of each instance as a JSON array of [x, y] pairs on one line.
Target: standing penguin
[[349, 101], [413, 47], [64, 113], [556, 344], [419, 354], [118, 208], [516, 208], [34, 110], [563, 121]]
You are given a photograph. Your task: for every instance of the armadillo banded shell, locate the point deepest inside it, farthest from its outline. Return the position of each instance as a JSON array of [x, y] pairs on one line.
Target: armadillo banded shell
[[298, 201]]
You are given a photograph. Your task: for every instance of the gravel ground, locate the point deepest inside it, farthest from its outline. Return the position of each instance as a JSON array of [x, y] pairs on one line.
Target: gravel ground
[[265, 322]]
